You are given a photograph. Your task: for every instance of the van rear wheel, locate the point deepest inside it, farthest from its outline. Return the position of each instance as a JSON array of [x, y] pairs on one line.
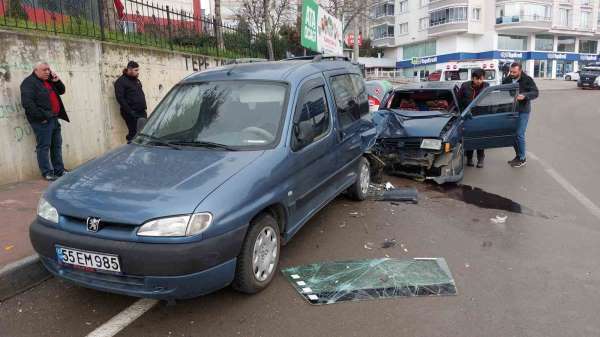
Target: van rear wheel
[[258, 260], [359, 190]]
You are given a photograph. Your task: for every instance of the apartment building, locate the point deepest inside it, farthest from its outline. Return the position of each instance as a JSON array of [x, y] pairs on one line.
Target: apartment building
[[549, 37]]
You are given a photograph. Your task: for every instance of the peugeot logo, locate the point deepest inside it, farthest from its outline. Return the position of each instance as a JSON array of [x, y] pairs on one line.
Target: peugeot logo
[[93, 224]]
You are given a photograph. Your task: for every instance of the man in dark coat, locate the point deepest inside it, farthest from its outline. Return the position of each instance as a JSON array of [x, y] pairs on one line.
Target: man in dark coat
[[40, 97], [131, 98], [528, 91], [466, 94]]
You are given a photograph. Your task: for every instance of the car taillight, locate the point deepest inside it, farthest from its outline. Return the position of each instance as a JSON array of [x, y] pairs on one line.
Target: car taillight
[[373, 101]]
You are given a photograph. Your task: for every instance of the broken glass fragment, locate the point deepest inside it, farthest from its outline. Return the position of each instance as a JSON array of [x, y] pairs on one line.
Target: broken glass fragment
[[333, 282]]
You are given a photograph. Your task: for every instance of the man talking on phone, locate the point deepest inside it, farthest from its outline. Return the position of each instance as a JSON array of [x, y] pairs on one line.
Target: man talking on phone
[[40, 97], [528, 91]]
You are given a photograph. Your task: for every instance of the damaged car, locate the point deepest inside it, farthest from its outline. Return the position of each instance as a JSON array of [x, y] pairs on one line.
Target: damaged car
[[423, 132]]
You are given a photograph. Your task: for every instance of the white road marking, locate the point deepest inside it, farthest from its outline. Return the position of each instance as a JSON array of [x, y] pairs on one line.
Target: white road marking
[[123, 319], [585, 201]]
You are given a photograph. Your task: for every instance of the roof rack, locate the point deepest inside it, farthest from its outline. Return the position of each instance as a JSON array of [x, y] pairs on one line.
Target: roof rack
[[318, 58]]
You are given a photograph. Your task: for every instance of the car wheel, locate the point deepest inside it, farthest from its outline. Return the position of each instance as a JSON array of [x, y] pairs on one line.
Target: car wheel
[[567, 78], [258, 260], [360, 188]]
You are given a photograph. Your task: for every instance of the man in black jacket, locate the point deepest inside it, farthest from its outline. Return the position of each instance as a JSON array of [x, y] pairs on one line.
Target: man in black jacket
[[131, 98], [466, 94], [40, 97], [528, 91]]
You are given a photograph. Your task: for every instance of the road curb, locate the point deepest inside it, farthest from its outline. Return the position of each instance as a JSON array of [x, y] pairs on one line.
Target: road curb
[[21, 275]]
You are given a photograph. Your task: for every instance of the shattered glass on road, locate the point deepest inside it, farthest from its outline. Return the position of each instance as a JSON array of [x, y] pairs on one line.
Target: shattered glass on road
[[356, 280]]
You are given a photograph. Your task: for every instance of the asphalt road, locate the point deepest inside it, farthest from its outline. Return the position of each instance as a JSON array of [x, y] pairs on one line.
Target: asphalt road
[[536, 275]]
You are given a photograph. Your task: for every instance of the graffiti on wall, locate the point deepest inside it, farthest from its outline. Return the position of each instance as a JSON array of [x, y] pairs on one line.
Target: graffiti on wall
[[199, 63]]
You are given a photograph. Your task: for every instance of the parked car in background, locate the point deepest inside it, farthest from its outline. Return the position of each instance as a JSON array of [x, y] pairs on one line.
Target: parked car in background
[[230, 165], [589, 77], [423, 132], [376, 89], [572, 76]]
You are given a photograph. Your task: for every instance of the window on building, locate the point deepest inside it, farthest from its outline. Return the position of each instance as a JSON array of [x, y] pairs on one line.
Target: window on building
[[424, 3], [512, 42], [517, 11], [564, 17], [566, 44], [476, 14], [588, 46], [448, 15], [423, 23], [383, 9], [403, 28], [419, 50], [544, 42], [585, 21], [382, 31], [404, 6]]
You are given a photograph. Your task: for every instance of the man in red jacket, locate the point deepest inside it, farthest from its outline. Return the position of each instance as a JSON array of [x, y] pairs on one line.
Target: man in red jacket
[[40, 97]]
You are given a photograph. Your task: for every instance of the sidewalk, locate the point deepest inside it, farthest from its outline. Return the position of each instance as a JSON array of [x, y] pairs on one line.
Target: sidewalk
[[20, 268], [18, 204]]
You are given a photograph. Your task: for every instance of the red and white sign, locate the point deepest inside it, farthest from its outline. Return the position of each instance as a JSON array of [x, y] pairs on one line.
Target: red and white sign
[[350, 40]]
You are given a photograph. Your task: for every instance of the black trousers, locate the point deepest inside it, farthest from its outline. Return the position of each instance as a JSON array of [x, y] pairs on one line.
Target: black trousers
[[480, 155], [131, 123]]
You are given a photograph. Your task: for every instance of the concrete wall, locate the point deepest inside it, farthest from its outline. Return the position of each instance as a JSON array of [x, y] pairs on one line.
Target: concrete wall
[[88, 70]]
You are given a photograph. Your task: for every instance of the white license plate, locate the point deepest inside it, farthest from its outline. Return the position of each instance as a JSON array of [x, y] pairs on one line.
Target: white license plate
[[88, 260]]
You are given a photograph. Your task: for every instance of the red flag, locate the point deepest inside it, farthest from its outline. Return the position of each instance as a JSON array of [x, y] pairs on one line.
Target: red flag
[[119, 7]]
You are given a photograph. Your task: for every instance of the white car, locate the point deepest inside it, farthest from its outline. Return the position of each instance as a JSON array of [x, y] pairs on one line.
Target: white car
[[572, 76]]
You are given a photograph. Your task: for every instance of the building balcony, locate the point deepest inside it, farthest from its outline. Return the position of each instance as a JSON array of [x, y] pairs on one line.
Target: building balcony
[[383, 41], [389, 19], [437, 4], [447, 27], [523, 23]]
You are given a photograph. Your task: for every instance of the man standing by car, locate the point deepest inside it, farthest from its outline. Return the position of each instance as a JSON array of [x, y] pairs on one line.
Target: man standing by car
[[131, 98], [40, 97], [528, 91], [467, 93]]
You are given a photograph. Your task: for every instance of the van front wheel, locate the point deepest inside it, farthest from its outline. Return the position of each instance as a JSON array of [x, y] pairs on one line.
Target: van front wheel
[[258, 260]]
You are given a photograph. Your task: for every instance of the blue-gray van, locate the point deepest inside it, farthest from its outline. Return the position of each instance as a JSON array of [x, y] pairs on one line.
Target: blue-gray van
[[229, 166]]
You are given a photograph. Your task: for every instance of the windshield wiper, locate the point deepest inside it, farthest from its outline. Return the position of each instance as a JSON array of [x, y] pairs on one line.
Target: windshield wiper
[[160, 141], [204, 144]]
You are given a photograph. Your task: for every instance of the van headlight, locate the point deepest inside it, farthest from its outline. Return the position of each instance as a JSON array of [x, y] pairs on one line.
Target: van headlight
[[184, 225], [431, 144], [47, 211]]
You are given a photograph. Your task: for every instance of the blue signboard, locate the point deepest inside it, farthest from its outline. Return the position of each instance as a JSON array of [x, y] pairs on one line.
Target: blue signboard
[[496, 54]]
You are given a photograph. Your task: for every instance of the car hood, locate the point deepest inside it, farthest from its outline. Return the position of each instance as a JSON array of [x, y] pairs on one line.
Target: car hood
[[400, 124], [135, 183]]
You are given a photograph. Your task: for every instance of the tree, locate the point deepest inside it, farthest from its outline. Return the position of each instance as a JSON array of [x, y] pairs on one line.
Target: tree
[[217, 23], [266, 17], [15, 10]]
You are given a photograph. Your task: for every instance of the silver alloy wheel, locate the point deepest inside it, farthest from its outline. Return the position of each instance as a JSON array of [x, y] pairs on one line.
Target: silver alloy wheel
[[264, 254], [365, 178]]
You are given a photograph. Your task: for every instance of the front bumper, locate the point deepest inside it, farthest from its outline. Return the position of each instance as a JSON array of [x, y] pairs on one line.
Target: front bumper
[[426, 165], [587, 84], [161, 271]]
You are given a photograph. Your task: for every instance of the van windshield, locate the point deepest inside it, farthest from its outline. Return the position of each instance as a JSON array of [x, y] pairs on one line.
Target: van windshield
[[240, 114]]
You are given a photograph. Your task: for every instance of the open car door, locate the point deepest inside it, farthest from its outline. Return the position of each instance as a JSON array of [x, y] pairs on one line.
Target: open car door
[[491, 119]]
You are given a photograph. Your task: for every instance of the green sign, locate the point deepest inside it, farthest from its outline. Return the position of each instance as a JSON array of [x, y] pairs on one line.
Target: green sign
[[321, 31], [310, 11], [415, 61]]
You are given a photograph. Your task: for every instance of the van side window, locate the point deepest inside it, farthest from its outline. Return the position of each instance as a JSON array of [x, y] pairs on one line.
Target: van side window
[[311, 119], [351, 98]]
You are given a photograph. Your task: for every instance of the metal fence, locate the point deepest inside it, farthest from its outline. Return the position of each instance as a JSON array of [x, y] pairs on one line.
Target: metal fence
[[133, 22]]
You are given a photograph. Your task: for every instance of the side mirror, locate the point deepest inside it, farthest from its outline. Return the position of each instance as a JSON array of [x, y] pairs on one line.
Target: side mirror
[[302, 136], [141, 122]]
